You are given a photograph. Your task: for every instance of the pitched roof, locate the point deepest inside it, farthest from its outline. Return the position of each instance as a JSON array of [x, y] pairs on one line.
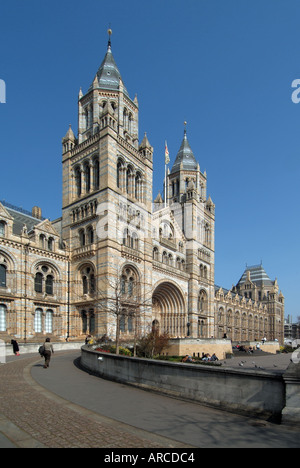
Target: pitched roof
[[21, 217], [257, 276]]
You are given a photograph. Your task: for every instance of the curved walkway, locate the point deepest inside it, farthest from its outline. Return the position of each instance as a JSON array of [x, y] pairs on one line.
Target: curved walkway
[[64, 407]]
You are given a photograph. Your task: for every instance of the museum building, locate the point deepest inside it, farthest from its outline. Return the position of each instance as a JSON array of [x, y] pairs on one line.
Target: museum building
[[115, 260]]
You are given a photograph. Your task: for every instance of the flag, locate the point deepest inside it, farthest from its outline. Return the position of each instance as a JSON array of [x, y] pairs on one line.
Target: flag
[[167, 157]]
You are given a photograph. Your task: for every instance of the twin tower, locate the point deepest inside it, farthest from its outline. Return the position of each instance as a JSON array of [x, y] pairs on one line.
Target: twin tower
[[149, 264]]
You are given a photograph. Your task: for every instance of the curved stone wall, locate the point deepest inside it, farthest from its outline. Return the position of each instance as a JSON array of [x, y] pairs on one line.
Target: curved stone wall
[[255, 393]]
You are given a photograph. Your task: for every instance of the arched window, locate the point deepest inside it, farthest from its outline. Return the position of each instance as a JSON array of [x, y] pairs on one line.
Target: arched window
[[2, 228], [44, 280], [202, 303], [92, 321], [128, 180], [85, 285], [38, 283], [86, 118], [122, 322], [92, 284], [119, 174], [96, 174], [134, 244], [130, 322], [42, 241], [87, 175], [2, 276], [78, 181], [129, 282], [123, 285], [49, 284], [155, 253], [130, 286], [49, 321], [165, 258], [138, 186], [50, 243], [3, 313], [84, 321], [206, 234], [38, 321], [90, 234], [88, 280], [82, 237]]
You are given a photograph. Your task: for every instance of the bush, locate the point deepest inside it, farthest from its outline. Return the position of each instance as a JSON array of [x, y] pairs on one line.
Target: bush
[[122, 351], [152, 344], [112, 349]]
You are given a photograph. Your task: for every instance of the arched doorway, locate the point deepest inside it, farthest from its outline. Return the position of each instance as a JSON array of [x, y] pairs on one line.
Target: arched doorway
[[169, 310]]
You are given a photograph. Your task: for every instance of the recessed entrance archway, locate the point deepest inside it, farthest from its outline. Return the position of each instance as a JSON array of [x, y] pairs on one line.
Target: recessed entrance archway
[[169, 310]]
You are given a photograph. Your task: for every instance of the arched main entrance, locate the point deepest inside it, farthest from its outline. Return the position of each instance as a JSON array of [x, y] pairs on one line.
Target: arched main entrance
[[169, 310]]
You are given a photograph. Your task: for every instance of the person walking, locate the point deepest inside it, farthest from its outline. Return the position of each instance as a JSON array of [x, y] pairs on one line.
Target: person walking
[[15, 346], [48, 352]]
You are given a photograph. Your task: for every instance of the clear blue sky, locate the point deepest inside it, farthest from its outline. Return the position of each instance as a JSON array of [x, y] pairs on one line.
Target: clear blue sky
[[226, 67]]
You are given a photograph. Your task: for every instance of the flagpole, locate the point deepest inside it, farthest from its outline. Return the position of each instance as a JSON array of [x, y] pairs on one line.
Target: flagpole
[[165, 185], [167, 160]]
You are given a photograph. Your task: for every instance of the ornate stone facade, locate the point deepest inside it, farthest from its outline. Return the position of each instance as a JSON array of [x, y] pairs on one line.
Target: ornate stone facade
[[115, 259]]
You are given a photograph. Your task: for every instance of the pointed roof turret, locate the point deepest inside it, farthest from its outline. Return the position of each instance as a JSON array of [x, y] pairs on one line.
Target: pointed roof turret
[[108, 75], [69, 135], [145, 143], [185, 159]]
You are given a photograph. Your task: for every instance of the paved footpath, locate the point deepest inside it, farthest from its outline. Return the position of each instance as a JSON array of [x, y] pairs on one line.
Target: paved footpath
[[64, 407]]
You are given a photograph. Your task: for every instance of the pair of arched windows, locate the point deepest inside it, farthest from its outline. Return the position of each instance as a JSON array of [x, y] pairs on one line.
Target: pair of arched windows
[[127, 321], [88, 321], [130, 239], [129, 283], [44, 281], [46, 243], [87, 177], [88, 280], [203, 271], [129, 180], [43, 322], [86, 236]]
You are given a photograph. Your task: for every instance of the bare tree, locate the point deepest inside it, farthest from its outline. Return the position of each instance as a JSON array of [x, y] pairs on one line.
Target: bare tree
[[120, 297]]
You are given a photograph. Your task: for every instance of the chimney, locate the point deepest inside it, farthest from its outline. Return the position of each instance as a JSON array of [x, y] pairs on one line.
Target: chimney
[[37, 212]]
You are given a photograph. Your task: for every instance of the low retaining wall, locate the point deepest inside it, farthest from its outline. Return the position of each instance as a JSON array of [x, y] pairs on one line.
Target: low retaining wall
[[271, 347], [197, 347], [259, 394], [28, 348]]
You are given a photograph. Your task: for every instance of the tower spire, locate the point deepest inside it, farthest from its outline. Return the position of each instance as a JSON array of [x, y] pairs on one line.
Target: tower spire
[[109, 31]]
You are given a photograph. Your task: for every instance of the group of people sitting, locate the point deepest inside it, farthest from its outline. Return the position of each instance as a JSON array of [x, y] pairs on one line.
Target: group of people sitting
[[205, 357]]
